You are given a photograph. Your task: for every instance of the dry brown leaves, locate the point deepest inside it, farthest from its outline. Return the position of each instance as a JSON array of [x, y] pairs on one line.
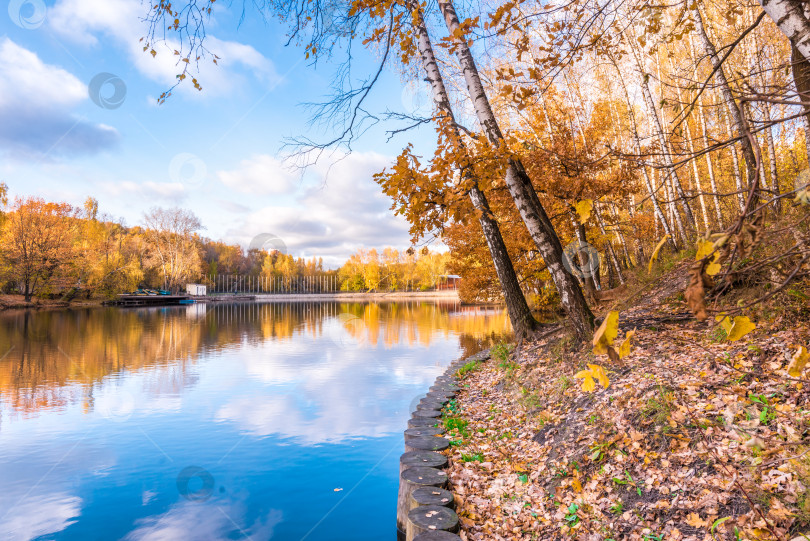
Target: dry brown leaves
[[693, 440], [696, 290]]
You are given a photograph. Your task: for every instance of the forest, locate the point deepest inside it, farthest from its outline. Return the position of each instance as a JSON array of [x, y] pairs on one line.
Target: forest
[[56, 251]]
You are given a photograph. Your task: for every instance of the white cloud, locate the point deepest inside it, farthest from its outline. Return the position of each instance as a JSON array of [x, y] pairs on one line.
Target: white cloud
[[149, 190], [81, 21], [28, 82], [36, 516], [206, 520], [341, 210], [260, 175], [35, 103], [325, 391]]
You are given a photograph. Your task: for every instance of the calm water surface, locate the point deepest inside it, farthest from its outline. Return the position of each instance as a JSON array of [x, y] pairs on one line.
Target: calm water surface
[[218, 421]]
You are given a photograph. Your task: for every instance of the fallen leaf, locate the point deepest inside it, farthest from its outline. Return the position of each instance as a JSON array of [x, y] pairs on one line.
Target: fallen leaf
[[798, 362], [694, 520], [606, 333], [624, 349], [704, 249], [742, 326], [696, 291], [725, 322]]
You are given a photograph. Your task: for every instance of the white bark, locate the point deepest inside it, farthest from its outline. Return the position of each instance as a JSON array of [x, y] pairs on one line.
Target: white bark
[[735, 111], [658, 211], [695, 171], [658, 128], [790, 18], [519, 313], [519, 185], [735, 159], [613, 258]]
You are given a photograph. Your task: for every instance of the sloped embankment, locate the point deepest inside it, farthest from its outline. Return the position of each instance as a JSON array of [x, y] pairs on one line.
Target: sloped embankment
[[695, 438]]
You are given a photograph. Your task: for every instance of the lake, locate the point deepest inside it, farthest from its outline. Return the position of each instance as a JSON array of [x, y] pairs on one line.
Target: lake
[[217, 421]]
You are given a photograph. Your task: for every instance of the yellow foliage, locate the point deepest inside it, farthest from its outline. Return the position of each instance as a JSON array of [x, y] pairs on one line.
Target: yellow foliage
[[713, 267], [591, 376], [725, 322], [654, 255], [584, 209], [704, 248], [736, 329], [624, 349], [798, 362], [742, 326], [606, 333]]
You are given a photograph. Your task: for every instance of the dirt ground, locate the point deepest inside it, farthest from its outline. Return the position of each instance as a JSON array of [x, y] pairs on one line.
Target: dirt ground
[[695, 438]]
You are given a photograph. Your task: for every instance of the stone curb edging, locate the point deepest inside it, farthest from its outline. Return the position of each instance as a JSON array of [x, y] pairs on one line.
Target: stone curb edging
[[425, 508]]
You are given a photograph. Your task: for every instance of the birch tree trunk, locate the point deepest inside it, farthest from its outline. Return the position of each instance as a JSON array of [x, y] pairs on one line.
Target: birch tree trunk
[[801, 77], [523, 323], [588, 280], [710, 167], [614, 260], [735, 111], [520, 186], [790, 18], [695, 172], [772, 157], [658, 128], [657, 210], [620, 236], [705, 136], [735, 159]]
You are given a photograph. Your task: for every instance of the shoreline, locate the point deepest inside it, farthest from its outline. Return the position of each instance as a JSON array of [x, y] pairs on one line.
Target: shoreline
[[448, 295], [11, 302]]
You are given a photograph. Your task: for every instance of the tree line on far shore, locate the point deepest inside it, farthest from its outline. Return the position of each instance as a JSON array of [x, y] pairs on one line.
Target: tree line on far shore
[[56, 250]]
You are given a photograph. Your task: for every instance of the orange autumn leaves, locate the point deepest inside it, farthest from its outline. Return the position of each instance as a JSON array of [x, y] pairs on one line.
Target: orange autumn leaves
[[603, 340], [608, 331]]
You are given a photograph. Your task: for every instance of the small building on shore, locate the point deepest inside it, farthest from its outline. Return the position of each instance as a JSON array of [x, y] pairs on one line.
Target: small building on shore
[[448, 281], [197, 290]]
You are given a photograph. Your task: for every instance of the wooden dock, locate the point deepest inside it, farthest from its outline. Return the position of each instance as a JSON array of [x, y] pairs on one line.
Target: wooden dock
[[148, 300]]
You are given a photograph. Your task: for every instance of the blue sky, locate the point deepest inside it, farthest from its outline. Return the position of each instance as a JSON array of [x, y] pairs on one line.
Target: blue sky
[[217, 152]]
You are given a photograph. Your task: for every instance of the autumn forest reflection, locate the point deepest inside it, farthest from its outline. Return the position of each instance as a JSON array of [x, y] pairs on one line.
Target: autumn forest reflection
[[54, 358]]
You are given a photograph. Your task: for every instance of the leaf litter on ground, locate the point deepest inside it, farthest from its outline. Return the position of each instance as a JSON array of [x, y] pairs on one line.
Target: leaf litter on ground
[[694, 439]]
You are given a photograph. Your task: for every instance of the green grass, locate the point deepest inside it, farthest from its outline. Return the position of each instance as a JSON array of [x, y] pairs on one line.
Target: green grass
[[719, 334], [658, 408], [501, 352], [458, 424], [467, 368]]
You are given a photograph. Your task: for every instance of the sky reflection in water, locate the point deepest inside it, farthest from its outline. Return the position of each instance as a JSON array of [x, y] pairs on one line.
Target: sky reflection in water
[[219, 421]]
